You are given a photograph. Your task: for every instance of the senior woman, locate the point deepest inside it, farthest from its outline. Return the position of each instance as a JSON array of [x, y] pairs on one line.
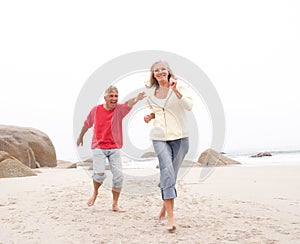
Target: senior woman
[[169, 101]]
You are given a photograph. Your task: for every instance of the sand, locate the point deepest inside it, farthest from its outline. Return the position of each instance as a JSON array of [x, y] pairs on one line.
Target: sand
[[235, 204]]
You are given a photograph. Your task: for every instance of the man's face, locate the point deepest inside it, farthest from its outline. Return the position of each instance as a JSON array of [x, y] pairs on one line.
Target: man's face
[[111, 99]]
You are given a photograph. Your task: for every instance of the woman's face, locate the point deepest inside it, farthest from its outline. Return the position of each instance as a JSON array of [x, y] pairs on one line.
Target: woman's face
[[160, 72]]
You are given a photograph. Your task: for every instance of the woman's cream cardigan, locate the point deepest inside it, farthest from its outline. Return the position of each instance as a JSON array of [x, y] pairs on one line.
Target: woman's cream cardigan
[[170, 121]]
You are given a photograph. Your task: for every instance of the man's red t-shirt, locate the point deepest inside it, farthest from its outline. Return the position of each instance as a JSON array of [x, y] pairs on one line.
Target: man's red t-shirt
[[108, 131]]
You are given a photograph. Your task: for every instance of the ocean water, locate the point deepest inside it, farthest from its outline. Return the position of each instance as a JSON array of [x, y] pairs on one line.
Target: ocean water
[[278, 158], [129, 163], [281, 158]]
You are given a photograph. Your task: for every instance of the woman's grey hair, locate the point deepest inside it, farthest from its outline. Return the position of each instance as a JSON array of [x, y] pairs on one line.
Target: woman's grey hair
[[153, 81], [110, 89]]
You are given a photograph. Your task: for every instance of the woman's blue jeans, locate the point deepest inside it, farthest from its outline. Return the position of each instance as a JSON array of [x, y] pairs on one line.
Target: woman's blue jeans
[[170, 156]]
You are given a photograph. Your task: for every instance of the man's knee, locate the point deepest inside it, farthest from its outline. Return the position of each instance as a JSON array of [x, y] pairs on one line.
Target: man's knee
[[99, 177]]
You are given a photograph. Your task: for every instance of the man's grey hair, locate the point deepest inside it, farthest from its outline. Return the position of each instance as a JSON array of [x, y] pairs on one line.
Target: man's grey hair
[[110, 89]]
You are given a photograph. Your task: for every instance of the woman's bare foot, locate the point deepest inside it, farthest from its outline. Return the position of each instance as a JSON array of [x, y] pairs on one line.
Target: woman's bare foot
[[162, 214], [118, 209], [171, 228], [92, 200]]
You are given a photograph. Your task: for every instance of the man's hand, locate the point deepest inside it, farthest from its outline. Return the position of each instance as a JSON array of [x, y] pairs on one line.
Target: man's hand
[[140, 96], [131, 102], [79, 141], [80, 137]]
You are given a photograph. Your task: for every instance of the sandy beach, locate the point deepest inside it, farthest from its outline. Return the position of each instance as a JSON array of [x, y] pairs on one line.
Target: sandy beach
[[234, 204]]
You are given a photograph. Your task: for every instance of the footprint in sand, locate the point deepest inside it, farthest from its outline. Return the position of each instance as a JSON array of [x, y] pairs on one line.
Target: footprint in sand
[[7, 202]]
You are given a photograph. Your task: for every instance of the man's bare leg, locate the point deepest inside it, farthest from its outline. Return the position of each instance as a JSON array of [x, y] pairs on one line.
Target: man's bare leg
[[169, 205], [93, 198], [116, 194]]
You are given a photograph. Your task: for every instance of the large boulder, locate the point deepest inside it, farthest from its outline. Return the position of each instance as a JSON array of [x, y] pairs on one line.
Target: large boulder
[[12, 167], [211, 157], [30, 146]]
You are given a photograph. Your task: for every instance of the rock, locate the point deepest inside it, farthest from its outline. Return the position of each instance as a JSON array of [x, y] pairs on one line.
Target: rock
[[188, 163], [211, 157], [84, 164], [12, 167], [261, 154], [149, 155], [30, 146], [66, 164]]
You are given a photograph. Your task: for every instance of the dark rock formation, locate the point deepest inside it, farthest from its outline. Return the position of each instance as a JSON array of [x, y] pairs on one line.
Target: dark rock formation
[[262, 154]]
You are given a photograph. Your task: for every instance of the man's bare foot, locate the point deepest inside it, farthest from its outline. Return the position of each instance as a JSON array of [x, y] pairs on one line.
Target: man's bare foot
[[118, 209], [92, 200], [162, 214]]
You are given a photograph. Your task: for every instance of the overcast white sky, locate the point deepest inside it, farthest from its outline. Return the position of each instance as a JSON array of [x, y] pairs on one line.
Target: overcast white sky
[[249, 49]]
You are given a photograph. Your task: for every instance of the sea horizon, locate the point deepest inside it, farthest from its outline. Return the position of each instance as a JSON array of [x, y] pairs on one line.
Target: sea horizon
[[245, 157]]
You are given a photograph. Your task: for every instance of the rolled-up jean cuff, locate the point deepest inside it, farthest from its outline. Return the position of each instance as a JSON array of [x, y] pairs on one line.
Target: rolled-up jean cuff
[[99, 178], [168, 193], [117, 186]]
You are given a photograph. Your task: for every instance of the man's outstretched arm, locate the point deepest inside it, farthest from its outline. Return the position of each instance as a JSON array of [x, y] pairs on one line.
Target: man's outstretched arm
[[131, 102], [81, 135]]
